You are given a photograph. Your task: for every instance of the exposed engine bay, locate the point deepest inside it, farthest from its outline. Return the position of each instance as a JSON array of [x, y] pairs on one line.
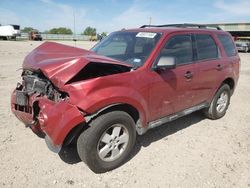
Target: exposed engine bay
[[35, 84]]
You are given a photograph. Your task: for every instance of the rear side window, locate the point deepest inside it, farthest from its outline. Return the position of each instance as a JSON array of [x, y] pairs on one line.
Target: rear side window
[[228, 44], [206, 47], [179, 47]]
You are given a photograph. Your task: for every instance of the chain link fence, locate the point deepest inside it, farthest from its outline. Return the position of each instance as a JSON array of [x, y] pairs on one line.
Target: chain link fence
[[25, 36]]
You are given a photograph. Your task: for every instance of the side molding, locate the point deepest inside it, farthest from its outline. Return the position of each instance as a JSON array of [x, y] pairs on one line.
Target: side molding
[[158, 122]]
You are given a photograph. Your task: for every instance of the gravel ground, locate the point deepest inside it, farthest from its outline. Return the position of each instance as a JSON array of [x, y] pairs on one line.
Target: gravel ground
[[189, 152]]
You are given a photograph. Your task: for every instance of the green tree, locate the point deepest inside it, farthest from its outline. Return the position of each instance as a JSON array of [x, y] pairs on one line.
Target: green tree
[[104, 34], [89, 31], [60, 30], [27, 29]]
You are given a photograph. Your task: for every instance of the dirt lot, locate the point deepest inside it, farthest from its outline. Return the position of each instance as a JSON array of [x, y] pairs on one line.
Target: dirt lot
[[189, 152]]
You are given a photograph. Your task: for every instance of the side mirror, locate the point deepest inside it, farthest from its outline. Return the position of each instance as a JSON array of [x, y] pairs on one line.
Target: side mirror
[[166, 62]]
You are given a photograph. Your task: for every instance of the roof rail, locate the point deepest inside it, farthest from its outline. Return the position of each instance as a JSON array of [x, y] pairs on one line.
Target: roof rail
[[185, 25]]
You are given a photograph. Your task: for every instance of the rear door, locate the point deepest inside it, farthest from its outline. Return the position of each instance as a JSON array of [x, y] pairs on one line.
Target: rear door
[[171, 89], [207, 64]]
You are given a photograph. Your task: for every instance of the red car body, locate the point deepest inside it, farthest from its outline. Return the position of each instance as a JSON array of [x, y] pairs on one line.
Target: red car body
[[153, 94]]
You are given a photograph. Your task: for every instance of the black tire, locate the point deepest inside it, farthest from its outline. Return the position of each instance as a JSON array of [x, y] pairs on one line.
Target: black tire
[[90, 140], [212, 112]]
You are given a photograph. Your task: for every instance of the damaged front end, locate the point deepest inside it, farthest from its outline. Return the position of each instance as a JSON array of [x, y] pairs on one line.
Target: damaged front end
[[41, 101], [44, 108]]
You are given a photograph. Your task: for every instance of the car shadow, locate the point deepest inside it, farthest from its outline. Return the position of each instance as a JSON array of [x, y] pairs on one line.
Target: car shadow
[[165, 130], [69, 154]]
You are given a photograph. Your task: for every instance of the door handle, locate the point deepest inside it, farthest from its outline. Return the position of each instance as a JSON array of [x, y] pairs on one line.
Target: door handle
[[219, 67], [188, 75]]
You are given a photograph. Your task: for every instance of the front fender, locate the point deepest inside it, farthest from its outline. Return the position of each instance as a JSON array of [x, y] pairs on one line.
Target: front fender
[[109, 102], [100, 98]]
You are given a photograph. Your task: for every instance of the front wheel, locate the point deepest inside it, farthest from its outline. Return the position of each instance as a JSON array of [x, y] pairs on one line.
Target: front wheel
[[219, 104], [108, 142]]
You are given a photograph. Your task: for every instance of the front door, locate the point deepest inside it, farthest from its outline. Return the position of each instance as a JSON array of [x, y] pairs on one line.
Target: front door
[[171, 90]]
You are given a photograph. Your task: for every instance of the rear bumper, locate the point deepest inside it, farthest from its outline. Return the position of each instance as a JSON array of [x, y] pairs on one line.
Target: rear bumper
[[53, 120]]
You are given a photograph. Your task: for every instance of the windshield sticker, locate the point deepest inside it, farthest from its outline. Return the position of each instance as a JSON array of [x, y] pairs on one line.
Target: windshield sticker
[[146, 35], [137, 60]]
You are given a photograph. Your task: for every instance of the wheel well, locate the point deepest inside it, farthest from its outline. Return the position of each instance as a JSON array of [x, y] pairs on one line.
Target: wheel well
[[74, 133], [230, 82], [77, 130], [133, 112]]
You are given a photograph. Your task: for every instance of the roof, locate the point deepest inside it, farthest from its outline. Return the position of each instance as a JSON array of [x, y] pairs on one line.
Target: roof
[[235, 23], [168, 28], [171, 29]]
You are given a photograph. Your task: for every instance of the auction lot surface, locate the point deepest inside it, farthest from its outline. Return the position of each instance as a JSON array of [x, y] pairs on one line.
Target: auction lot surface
[[190, 152]]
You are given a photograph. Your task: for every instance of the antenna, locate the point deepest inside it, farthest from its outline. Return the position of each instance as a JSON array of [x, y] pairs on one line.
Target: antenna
[[74, 39]]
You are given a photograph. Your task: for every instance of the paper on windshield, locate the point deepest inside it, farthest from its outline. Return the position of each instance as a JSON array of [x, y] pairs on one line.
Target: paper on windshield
[[146, 34]]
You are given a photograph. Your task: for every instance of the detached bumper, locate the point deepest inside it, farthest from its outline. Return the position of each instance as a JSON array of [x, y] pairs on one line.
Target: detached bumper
[[54, 120]]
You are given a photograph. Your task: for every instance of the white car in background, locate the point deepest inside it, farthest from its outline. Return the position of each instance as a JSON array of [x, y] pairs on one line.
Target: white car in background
[[9, 31], [243, 46]]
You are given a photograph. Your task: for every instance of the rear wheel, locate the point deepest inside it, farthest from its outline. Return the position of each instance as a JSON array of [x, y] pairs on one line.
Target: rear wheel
[[108, 142], [219, 104]]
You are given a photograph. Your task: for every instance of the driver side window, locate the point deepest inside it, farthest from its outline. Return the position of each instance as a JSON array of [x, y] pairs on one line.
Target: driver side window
[[179, 47]]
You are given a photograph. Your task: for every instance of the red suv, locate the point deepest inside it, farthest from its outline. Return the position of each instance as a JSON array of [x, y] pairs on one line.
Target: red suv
[[130, 82]]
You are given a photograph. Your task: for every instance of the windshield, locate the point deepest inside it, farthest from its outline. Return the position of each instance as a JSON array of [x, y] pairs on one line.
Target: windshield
[[130, 47], [16, 27]]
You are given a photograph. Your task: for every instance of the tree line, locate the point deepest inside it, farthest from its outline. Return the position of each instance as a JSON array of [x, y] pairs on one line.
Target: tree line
[[89, 31]]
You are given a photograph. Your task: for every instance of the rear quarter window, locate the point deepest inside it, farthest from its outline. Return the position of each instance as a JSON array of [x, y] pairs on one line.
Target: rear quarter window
[[228, 45]]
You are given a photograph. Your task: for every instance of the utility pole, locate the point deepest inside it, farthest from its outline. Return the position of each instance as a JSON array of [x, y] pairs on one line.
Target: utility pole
[[74, 39], [150, 20]]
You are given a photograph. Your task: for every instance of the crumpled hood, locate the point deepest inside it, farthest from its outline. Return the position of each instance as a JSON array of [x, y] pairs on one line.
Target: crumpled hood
[[60, 63]]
